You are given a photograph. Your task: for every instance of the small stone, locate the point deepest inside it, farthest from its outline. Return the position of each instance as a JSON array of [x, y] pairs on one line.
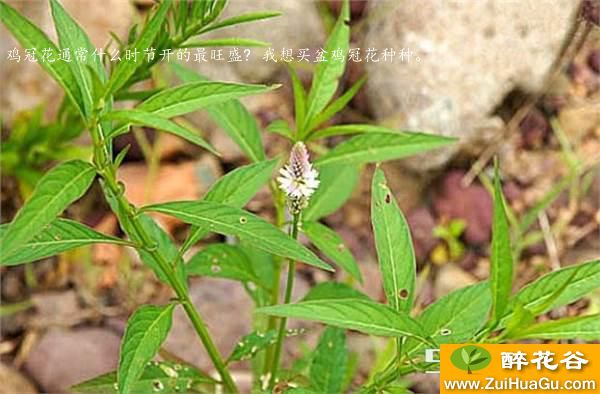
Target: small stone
[[64, 357]]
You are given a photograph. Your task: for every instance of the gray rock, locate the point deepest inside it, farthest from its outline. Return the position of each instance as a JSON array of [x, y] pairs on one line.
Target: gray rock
[[63, 357], [467, 56], [298, 27]]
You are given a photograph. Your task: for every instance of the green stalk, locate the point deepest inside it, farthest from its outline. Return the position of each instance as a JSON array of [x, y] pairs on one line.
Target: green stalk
[[107, 172], [288, 297]]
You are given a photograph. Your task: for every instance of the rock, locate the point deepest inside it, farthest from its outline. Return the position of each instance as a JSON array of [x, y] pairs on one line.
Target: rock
[[14, 382], [63, 357], [298, 27], [467, 57], [26, 84], [473, 204], [56, 307], [451, 277]]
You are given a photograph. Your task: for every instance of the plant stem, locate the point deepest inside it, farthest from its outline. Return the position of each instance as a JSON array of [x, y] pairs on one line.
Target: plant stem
[[288, 297], [108, 174]]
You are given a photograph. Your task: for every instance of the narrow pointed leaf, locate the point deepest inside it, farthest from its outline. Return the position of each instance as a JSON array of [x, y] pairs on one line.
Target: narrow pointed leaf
[[225, 42], [59, 236], [501, 269], [31, 37], [299, 99], [393, 242], [227, 220], [331, 290], [346, 129], [337, 105], [328, 368], [251, 344], [327, 74], [172, 377], [282, 128], [71, 36], [126, 67], [233, 117], [352, 314], [235, 189], [332, 245], [54, 192], [146, 330], [585, 328], [376, 147], [239, 19], [149, 119], [584, 278], [192, 96], [336, 187]]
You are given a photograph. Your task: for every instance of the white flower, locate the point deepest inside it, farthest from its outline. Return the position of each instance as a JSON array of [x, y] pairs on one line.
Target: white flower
[[298, 178]]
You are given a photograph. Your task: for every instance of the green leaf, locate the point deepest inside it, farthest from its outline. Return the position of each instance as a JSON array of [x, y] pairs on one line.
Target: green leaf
[[336, 106], [332, 245], [330, 362], [54, 192], [353, 314], [532, 214], [282, 128], [225, 42], [465, 356], [227, 220], [165, 377], [329, 290], [146, 330], [149, 119], [72, 37], [233, 117], [192, 96], [251, 344], [375, 147], [394, 245], [582, 279], [235, 189], [336, 187], [345, 129], [585, 328], [456, 317], [327, 73], [222, 261], [31, 37], [126, 67], [501, 270], [299, 99], [59, 236], [244, 18]]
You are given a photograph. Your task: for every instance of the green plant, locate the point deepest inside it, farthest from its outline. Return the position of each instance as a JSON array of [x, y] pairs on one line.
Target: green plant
[[305, 193]]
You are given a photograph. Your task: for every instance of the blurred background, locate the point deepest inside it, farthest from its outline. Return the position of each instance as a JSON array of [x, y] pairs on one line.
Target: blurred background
[[519, 80]]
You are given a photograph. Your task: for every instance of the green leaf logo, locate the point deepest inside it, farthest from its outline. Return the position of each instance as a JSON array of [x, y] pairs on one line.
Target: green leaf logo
[[470, 358]]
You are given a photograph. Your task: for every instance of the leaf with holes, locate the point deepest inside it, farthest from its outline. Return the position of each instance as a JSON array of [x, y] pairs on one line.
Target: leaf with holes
[[332, 245], [54, 192], [353, 314], [59, 236], [235, 188], [394, 245], [146, 330], [251, 344], [165, 377], [227, 220]]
